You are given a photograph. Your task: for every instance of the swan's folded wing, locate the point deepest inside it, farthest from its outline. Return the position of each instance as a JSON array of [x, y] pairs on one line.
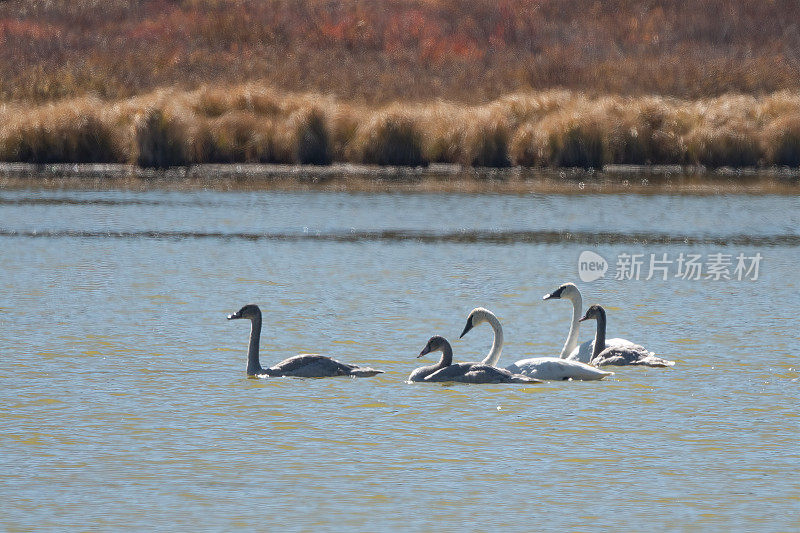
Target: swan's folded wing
[[583, 352], [419, 374], [478, 373], [621, 355], [492, 374], [635, 355], [534, 366], [450, 373], [485, 374], [653, 360], [578, 370], [616, 341], [611, 357], [311, 365]]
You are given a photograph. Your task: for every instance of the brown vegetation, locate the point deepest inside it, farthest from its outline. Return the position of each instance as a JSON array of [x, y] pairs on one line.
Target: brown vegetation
[[401, 82], [416, 50], [76, 131], [255, 124]]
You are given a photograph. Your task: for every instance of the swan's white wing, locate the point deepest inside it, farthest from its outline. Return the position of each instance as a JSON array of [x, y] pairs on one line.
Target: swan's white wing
[[556, 369]]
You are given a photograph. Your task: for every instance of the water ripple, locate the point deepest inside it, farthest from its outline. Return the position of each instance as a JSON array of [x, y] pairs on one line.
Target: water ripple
[[429, 237]]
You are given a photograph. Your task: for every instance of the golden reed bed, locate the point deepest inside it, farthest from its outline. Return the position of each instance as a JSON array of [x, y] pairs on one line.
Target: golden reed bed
[[254, 123]]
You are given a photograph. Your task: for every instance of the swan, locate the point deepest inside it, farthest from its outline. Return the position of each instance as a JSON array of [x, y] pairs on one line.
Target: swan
[[618, 355], [571, 349], [444, 370], [304, 365], [546, 368]]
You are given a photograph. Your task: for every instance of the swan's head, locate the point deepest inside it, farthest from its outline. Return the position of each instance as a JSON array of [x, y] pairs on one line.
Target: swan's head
[[568, 291], [477, 316], [435, 344], [249, 311], [595, 312]]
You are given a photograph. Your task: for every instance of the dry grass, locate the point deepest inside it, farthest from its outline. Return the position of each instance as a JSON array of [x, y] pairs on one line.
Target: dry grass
[[401, 82], [75, 131], [233, 137], [390, 137], [486, 139], [781, 141], [310, 139], [159, 139], [252, 123]]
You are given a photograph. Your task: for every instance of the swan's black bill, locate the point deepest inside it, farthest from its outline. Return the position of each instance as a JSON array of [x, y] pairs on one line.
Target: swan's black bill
[[584, 317], [468, 327], [555, 294], [249, 311], [425, 350]]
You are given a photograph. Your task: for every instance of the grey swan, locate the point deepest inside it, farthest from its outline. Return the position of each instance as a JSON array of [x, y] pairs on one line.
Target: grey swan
[[445, 370], [632, 354], [303, 366]]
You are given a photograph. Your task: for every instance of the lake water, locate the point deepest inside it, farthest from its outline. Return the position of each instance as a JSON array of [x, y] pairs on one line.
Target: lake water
[[125, 401]]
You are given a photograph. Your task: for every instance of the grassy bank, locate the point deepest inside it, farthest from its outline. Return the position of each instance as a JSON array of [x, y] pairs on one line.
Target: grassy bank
[[252, 123], [402, 82]]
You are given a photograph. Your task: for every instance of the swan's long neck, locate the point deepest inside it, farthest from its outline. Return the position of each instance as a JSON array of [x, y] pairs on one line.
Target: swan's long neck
[[572, 337], [497, 344], [447, 356], [253, 365], [600, 336]]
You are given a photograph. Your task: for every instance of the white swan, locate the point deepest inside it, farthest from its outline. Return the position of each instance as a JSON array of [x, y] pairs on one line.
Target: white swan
[[547, 368], [571, 350], [445, 370], [618, 355], [304, 365]]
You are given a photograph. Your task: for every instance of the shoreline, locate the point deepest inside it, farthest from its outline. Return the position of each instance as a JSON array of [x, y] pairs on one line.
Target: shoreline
[[435, 178]]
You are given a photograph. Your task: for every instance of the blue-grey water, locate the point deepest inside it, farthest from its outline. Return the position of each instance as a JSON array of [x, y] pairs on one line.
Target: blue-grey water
[[125, 401]]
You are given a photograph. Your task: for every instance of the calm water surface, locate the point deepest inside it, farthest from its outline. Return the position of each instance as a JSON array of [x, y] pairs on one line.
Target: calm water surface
[[125, 404]]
